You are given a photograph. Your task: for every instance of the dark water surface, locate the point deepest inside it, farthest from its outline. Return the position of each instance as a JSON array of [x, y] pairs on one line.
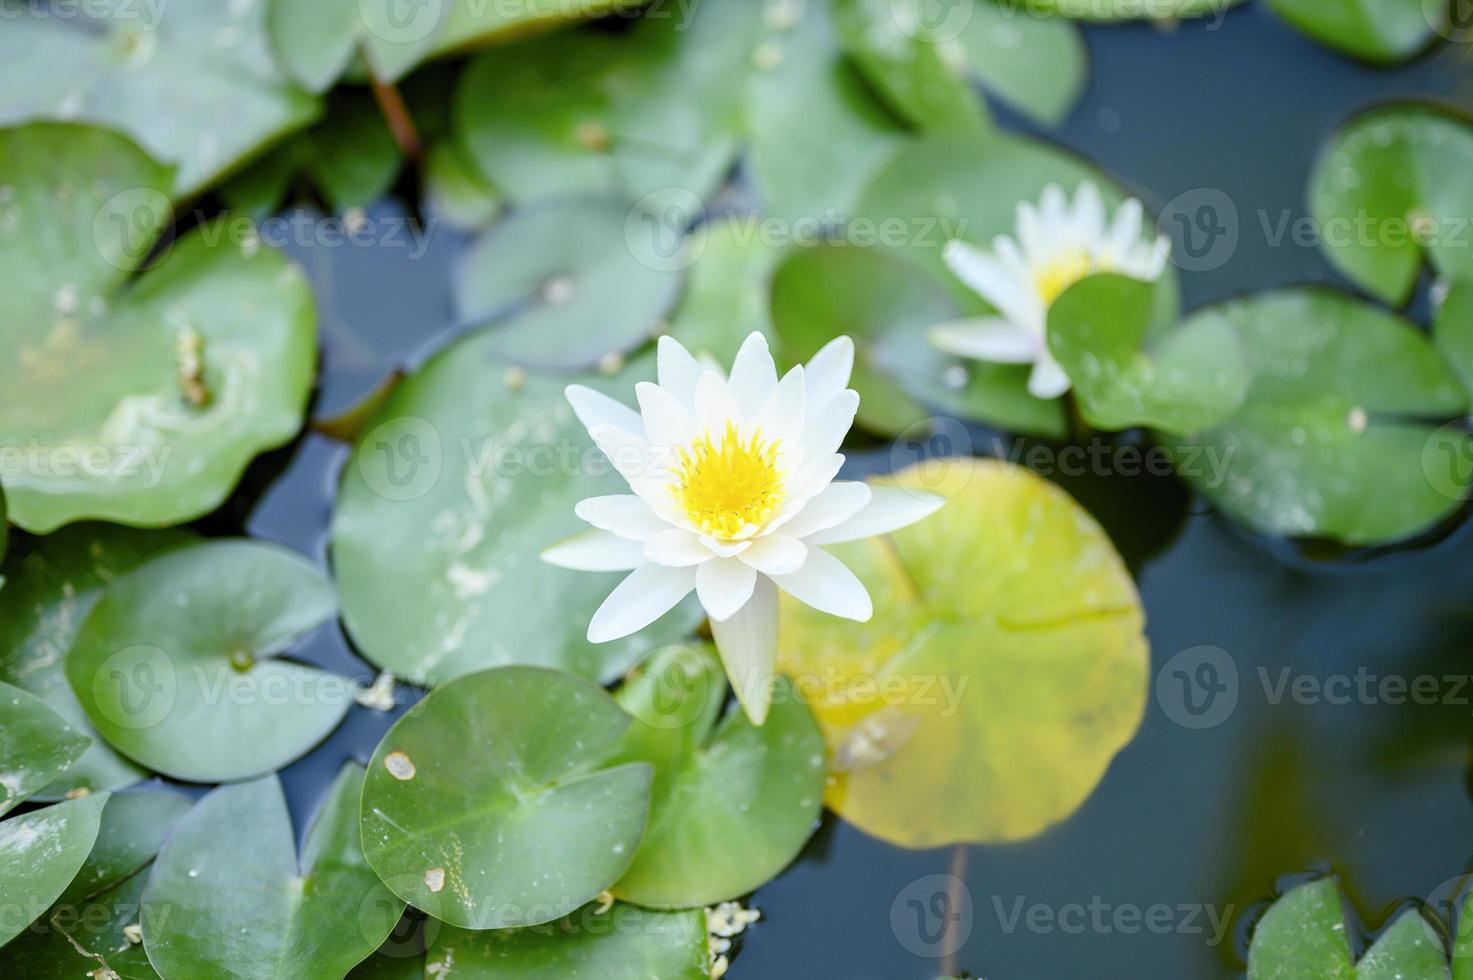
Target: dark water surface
[[1188, 826]]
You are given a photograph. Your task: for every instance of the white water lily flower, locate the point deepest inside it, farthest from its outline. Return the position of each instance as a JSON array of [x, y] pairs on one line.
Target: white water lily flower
[[734, 497], [1057, 245]]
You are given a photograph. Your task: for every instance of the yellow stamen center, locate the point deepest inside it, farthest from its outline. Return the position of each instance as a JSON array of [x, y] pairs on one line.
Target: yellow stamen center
[[1063, 270], [727, 484]]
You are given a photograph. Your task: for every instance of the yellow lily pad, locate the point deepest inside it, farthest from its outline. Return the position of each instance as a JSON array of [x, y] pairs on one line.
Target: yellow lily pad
[[1005, 665]]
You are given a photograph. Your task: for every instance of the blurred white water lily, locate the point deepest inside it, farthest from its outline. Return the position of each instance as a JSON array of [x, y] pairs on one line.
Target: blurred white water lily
[[734, 497], [1057, 244]]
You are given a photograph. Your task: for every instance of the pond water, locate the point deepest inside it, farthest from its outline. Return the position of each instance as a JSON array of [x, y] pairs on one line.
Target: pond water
[[1162, 870]]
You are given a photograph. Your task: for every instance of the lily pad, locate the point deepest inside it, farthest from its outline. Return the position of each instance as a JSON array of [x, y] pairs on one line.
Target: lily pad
[[168, 388], [563, 285], [1452, 331], [1330, 441], [124, 69], [229, 897], [40, 853], [1395, 187], [1004, 667], [352, 156], [1303, 937], [454, 191], [939, 189], [177, 665], [648, 114], [1034, 62], [887, 305], [624, 941], [908, 68], [471, 469], [486, 806], [1117, 10], [817, 132], [133, 828], [96, 929], [37, 745], [1184, 381], [732, 804], [1385, 31], [51, 585], [725, 299]]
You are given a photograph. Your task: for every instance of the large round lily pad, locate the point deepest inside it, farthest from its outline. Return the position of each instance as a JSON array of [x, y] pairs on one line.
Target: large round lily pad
[[177, 665], [140, 405], [562, 285], [486, 806], [36, 746], [229, 897], [40, 853], [623, 941], [1004, 667], [1335, 438], [1395, 187], [732, 804], [1385, 31], [470, 470], [193, 82], [51, 584]]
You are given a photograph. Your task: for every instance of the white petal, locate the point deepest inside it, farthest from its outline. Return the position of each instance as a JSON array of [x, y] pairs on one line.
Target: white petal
[[986, 338], [1125, 229], [677, 548], [1089, 213], [644, 467], [747, 643], [782, 414], [724, 585], [989, 278], [1054, 206], [677, 370], [725, 549], [753, 374], [715, 404], [828, 372], [827, 584], [1048, 379], [834, 504], [648, 593], [827, 426], [776, 554], [624, 514], [889, 509], [594, 409], [808, 482], [666, 421], [595, 551]]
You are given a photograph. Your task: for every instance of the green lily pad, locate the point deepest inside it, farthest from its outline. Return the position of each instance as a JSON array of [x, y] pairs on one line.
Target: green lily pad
[[732, 804], [37, 745], [51, 585], [725, 298], [938, 189], [888, 305], [624, 941], [817, 132], [1452, 331], [1385, 31], [352, 156], [1185, 381], [177, 665], [1003, 668], [1303, 937], [4, 529], [1330, 441], [168, 387], [454, 191], [229, 897], [133, 828], [96, 929], [486, 806], [1117, 10], [908, 68], [1395, 187], [564, 285], [1036, 63], [124, 69], [40, 853], [649, 114], [470, 471]]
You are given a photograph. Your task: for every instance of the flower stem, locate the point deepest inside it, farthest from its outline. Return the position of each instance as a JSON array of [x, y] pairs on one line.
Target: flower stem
[[401, 123]]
